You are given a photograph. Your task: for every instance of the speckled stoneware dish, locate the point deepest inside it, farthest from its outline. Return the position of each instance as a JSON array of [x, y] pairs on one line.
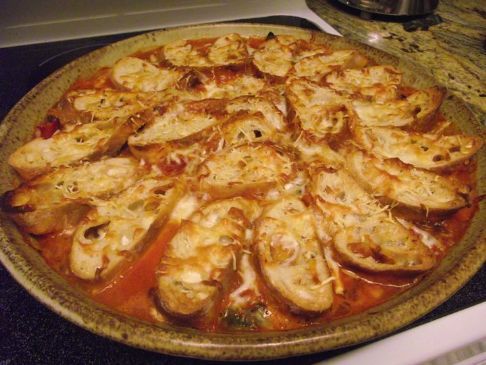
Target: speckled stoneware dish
[[29, 269]]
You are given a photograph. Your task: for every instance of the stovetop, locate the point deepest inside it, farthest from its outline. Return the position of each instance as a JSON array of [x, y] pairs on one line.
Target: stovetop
[[32, 333]]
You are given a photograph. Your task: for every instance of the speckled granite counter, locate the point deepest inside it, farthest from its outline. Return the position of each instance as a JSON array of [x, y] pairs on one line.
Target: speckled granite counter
[[452, 51]]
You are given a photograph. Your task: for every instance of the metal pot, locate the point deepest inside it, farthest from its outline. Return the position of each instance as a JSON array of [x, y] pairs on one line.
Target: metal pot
[[394, 7]]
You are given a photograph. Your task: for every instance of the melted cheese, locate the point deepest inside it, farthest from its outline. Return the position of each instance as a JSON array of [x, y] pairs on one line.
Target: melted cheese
[[426, 102], [290, 257], [226, 50], [247, 128], [418, 107], [182, 53], [51, 202], [239, 86], [257, 105], [201, 256], [179, 121], [229, 49], [318, 153], [277, 55], [404, 184], [377, 82], [248, 291], [184, 208], [393, 113], [246, 167], [364, 233], [66, 148], [116, 228], [317, 66], [273, 58], [427, 151], [135, 74], [321, 111], [109, 104]]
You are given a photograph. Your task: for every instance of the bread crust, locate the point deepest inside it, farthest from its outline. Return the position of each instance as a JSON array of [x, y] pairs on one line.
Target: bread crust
[[59, 199], [290, 257], [201, 257]]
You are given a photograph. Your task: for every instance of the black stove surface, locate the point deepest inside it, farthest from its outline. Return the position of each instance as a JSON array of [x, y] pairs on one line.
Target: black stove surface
[[31, 333]]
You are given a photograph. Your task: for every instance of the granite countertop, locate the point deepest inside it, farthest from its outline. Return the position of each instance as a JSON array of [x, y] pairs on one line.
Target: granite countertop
[[453, 51]]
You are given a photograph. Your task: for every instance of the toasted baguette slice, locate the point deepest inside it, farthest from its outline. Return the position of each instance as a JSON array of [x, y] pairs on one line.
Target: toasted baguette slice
[[273, 58], [183, 53], [318, 154], [117, 228], [290, 257], [229, 49], [240, 127], [376, 82], [240, 85], [277, 55], [321, 111], [173, 158], [179, 121], [426, 102], [85, 142], [249, 167], [393, 113], [426, 151], [364, 233], [337, 187], [135, 74], [54, 201], [376, 243], [317, 66], [416, 109], [253, 104], [201, 257], [246, 128], [405, 184], [241, 210], [91, 105], [276, 95]]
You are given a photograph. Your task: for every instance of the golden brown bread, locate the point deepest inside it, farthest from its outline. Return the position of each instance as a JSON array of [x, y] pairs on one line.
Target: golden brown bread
[[277, 55], [417, 109], [379, 83], [424, 150], [54, 201], [319, 65], [202, 256], [252, 167], [131, 73], [253, 104], [178, 121], [84, 143], [321, 112], [364, 233], [226, 50], [404, 184], [117, 228], [290, 256], [268, 125]]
